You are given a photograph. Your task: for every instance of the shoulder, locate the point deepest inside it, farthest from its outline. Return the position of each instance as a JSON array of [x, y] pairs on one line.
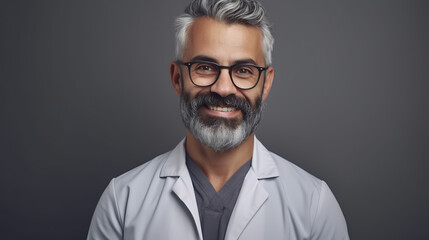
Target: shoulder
[[293, 175], [139, 181], [301, 189], [289, 176], [287, 179], [312, 196], [141, 175], [128, 191], [123, 196]]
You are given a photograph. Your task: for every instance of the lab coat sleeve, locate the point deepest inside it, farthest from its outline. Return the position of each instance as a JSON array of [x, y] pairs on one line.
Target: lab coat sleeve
[[329, 222], [106, 222]]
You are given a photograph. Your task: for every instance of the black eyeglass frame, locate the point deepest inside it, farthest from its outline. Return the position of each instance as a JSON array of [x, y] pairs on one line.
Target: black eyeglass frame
[[189, 64]]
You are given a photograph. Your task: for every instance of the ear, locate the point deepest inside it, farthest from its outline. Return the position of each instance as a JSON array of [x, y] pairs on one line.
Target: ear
[[175, 75], [269, 77]]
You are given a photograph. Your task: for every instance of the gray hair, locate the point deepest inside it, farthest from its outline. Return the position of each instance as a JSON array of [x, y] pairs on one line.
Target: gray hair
[[247, 12]]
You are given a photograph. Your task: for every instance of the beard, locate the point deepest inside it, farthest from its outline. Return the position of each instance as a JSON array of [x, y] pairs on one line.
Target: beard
[[220, 134]]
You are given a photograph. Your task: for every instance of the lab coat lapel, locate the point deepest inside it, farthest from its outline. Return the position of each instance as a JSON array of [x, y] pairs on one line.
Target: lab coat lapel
[[252, 195], [175, 166], [184, 190]]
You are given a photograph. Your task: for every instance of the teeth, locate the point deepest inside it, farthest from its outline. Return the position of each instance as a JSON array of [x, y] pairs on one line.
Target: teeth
[[222, 109]]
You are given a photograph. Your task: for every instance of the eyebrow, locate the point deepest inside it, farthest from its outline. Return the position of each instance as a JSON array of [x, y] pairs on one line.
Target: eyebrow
[[213, 60]]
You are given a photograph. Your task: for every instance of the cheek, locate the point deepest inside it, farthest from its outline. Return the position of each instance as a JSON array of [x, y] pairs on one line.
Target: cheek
[[252, 95], [193, 90]]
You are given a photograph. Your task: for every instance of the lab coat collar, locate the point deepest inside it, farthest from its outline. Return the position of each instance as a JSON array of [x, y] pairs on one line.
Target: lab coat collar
[[252, 195], [262, 162], [175, 165]]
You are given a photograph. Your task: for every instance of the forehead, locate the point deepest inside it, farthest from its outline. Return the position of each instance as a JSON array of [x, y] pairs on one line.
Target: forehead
[[224, 42]]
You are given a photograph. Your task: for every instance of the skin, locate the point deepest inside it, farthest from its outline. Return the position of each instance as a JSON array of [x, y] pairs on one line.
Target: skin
[[225, 44]]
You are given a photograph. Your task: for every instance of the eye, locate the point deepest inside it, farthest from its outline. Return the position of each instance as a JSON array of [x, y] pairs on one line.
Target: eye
[[244, 70], [202, 67]]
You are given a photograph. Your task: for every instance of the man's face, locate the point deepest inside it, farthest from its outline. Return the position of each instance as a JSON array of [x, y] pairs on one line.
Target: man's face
[[221, 109]]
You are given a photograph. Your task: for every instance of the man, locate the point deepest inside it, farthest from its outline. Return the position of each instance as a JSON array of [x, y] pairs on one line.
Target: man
[[220, 182]]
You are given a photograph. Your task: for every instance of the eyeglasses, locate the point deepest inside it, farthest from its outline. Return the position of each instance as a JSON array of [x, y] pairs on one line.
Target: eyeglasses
[[244, 76]]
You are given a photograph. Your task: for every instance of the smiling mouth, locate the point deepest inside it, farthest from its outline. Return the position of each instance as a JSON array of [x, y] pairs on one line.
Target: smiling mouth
[[222, 109]]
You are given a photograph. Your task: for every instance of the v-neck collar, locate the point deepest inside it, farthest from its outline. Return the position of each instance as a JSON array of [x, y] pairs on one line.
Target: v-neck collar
[[204, 184]]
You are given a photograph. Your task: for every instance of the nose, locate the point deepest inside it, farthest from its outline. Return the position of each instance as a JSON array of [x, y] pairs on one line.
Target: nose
[[223, 86]]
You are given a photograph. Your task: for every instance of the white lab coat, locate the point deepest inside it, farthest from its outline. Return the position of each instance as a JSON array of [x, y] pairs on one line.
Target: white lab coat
[[278, 200]]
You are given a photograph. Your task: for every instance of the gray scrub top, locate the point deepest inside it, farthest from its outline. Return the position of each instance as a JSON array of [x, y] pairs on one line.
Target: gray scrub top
[[215, 208]]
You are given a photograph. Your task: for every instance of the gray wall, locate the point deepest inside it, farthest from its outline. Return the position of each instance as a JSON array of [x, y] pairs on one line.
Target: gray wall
[[86, 95]]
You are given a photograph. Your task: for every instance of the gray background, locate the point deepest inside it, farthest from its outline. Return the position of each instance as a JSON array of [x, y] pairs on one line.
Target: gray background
[[86, 95]]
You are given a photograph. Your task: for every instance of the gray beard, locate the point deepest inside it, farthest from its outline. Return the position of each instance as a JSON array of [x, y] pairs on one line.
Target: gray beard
[[220, 134]]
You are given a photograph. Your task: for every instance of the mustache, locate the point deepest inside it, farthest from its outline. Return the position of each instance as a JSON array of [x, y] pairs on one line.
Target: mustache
[[214, 99]]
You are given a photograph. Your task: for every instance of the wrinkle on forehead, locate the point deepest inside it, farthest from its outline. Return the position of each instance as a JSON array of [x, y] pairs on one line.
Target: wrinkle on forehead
[[223, 41]]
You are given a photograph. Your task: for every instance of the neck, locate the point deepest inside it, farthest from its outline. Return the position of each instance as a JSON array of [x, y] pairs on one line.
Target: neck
[[219, 166]]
